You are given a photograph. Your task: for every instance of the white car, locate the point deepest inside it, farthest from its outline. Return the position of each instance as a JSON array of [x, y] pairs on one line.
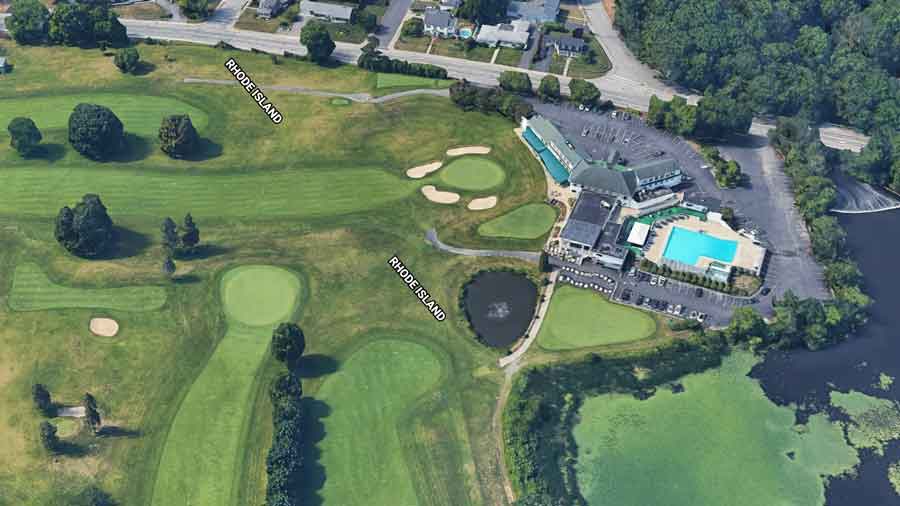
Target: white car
[[701, 317], [653, 280]]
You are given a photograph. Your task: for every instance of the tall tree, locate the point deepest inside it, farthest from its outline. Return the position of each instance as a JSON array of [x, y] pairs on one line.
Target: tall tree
[[42, 400], [169, 235], [288, 343], [24, 136], [548, 90], [483, 11], [127, 59], [515, 82], [87, 230], [49, 439], [190, 234], [29, 21], [95, 131], [583, 92], [318, 42], [177, 136]]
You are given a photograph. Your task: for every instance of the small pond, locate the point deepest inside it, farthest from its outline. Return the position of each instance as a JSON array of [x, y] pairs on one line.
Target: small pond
[[499, 306]]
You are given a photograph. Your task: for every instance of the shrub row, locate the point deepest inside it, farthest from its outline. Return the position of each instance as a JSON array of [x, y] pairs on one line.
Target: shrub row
[[489, 100], [285, 458], [374, 61]]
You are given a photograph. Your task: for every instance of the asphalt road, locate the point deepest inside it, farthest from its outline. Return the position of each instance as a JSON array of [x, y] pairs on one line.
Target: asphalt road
[[629, 84]]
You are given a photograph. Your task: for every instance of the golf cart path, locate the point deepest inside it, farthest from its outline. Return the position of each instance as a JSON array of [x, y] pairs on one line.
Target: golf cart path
[[363, 98], [432, 238]]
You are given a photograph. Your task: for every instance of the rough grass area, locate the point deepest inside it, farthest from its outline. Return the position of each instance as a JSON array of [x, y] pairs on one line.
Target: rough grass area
[[204, 447], [721, 441], [473, 173], [582, 70], [579, 318], [527, 222], [32, 290], [139, 114], [249, 21], [142, 10], [385, 80], [509, 56]]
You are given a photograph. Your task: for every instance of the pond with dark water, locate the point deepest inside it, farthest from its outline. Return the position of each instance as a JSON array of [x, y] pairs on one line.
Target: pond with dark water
[[499, 305], [806, 378]]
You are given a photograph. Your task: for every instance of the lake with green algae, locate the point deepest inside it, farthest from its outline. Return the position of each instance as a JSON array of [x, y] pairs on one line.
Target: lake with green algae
[[720, 441]]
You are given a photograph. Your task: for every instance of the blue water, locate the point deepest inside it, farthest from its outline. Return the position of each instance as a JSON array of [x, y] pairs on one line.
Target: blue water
[[687, 246], [465, 33]]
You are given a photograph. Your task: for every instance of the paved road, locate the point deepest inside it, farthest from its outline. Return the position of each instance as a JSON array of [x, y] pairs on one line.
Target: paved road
[[391, 21], [432, 238]]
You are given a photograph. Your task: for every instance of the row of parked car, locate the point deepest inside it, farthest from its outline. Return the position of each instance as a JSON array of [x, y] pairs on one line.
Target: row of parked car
[[582, 284], [662, 306]]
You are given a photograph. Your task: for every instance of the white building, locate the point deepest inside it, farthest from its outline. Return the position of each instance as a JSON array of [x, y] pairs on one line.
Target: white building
[[334, 13], [514, 34]]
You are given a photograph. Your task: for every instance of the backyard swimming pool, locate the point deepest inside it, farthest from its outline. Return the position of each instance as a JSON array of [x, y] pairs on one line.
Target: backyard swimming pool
[[465, 33], [687, 246]]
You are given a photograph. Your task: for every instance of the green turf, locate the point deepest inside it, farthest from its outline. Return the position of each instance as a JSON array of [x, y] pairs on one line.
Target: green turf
[[580, 318], [527, 222], [201, 458], [473, 173], [385, 80], [340, 101], [67, 427], [721, 441], [33, 291], [362, 453], [301, 192], [139, 114], [874, 421]]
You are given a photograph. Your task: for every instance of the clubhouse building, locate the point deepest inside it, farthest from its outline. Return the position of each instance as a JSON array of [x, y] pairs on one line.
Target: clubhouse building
[[591, 231], [567, 165]]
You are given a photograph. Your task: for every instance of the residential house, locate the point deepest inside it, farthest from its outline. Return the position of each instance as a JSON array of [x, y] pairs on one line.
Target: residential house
[[335, 13], [514, 34], [449, 5], [439, 23], [566, 45], [270, 8], [534, 11]]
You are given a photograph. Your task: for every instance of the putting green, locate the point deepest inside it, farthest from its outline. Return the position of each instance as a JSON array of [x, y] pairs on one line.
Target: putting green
[[362, 453], [32, 290], [578, 318], [719, 442], [140, 114], [204, 446], [527, 222], [472, 173]]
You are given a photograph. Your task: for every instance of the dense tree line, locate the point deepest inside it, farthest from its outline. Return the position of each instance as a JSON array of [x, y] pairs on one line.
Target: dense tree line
[[714, 117], [373, 60], [83, 24], [515, 82], [489, 100], [483, 11], [879, 161]]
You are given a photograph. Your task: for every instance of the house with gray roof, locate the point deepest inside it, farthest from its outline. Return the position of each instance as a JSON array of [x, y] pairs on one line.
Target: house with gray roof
[[439, 23], [270, 8], [591, 232], [335, 13], [514, 34], [566, 45], [534, 11]]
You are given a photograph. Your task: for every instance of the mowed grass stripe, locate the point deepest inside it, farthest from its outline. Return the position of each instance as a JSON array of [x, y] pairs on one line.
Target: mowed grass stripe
[[362, 454], [204, 445], [140, 114], [32, 290], [527, 222], [473, 173], [298, 193], [578, 318]]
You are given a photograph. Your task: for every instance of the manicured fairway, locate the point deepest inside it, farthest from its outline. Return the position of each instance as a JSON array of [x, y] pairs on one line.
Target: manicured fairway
[[302, 192], [403, 81], [201, 455], [33, 291], [140, 114], [527, 222], [472, 173], [362, 453], [578, 318], [719, 442]]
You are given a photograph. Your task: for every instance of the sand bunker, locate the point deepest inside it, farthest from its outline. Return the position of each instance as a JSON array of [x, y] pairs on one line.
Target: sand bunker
[[482, 203], [71, 412], [433, 194], [469, 150], [105, 327], [423, 170]]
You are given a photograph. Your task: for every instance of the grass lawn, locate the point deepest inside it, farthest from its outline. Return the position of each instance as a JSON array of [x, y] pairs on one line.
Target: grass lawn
[[473, 173], [33, 291], [203, 450], [323, 195], [579, 318], [578, 69], [385, 80], [557, 64], [509, 56], [346, 32], [418, 44], [720, 441], [142, 10], [249, 21], [527, 222], [456, 49]]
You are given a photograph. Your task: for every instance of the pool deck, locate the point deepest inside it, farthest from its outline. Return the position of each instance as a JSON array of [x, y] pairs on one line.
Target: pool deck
[[748, 256]]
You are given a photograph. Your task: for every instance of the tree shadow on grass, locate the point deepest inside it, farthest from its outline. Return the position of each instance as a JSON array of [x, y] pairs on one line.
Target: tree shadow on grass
[[70, 449], [316, 365], [204, 251], [49, 151], [143, 68], [204, 150], [312, 473], [134, 148], [115, 431], [187, 279], [129, 243]]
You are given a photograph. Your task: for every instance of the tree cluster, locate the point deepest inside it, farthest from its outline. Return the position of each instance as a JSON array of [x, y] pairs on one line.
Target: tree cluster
[[24, 136], [727, 172], [86, 230], [374, 61], [177, 136], [194, 9], [285, 457], [483, 11], [714, 117], [127, 59], [413, 27], [515, 82], [42, 400], [548, 90], [879, 161], [95, 131], [489, 100], [86, 25], [317, 40], [583, 92]]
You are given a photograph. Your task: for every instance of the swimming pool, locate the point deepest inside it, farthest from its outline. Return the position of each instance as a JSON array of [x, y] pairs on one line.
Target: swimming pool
[[687, 246], [465, 33]]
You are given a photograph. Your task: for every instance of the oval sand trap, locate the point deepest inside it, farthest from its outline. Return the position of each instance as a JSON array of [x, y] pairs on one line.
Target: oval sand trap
[[469, 150], [260, 294], [423, 170], [433, 194], [482, 203], [105, 327]]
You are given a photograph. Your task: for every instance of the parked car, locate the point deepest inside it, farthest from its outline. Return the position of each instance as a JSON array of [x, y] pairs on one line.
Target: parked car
[[653, 280], [701, 317], [766, 290], [678, 309], [692, 315], [698, 292], [640, 300], [670, 308]]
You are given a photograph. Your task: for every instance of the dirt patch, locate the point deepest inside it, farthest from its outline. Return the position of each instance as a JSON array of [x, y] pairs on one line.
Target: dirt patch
[[433, 194], [104, 327], [482, 203], [423, 170], [469, 150]]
